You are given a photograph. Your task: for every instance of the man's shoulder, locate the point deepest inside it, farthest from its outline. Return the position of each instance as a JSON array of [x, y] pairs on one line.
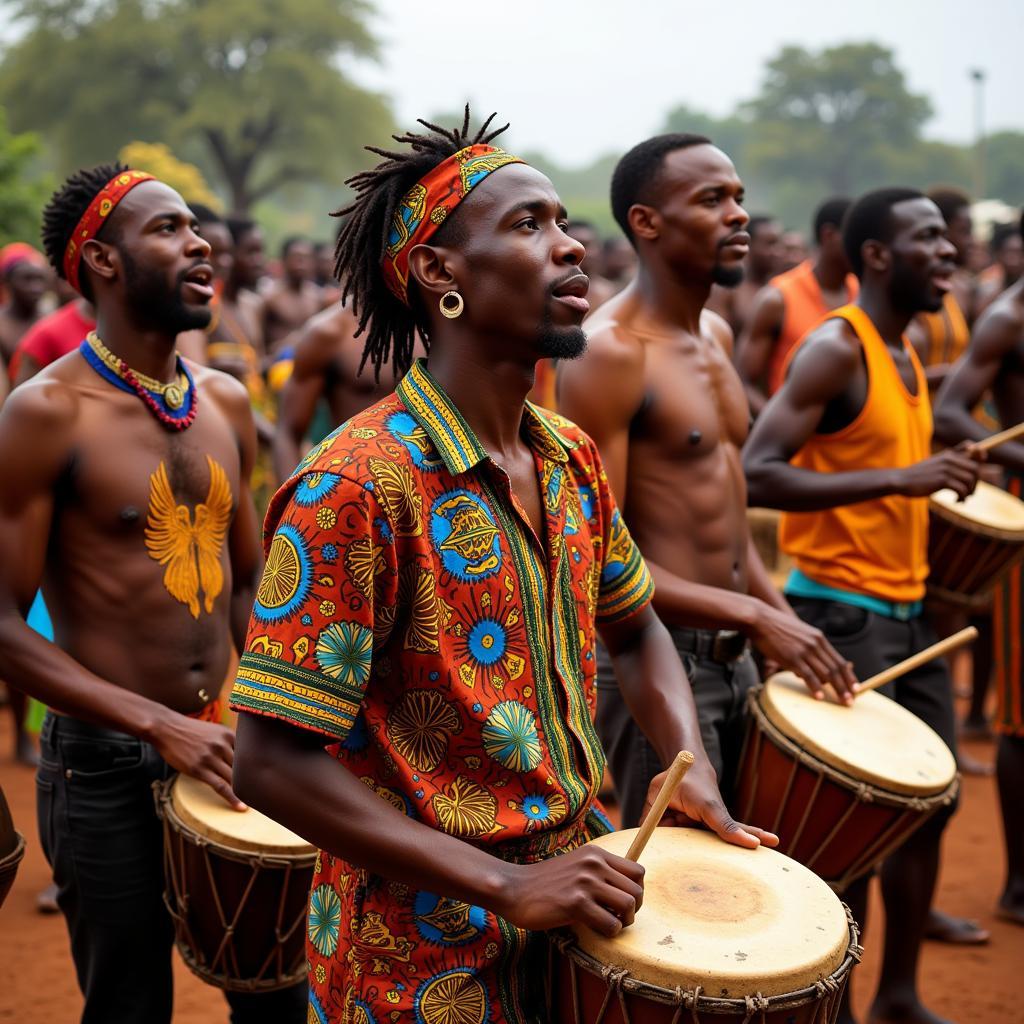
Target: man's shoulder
[[377, 432], [50, 401], [833, 343]]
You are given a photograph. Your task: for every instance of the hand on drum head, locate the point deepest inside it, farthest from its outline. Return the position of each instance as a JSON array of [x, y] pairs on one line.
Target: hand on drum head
[[955, 468], [697, 803], [795, 645], [589, 886], [201, 749]]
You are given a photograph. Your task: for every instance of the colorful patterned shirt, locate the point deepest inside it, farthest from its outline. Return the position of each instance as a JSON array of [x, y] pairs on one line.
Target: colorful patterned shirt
[[409, 613]]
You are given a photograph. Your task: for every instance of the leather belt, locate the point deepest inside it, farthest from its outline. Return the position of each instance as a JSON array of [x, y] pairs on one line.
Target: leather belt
[[723, 646]]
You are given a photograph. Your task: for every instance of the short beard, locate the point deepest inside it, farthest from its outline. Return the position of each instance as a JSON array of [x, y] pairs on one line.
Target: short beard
[[909, 295], [727, 277], [153, 306], [561, 342]]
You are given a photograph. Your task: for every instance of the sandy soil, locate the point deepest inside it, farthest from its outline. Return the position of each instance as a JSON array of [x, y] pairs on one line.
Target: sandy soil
[[983, 985]]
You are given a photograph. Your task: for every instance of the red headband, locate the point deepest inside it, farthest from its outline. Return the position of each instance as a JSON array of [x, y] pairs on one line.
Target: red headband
[[428, 203], [95, 217]]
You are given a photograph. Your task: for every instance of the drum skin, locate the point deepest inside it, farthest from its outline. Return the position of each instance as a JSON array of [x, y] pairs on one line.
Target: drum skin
[[972, 543], [724, 935], [12, 849], [827, 817], [239, 914]]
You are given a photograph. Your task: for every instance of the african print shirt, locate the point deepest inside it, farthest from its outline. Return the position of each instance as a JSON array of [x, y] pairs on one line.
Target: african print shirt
[[409, 612]]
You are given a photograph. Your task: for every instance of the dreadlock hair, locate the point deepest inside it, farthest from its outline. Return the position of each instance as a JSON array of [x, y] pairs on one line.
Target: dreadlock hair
[[64, 210], [390, 325]]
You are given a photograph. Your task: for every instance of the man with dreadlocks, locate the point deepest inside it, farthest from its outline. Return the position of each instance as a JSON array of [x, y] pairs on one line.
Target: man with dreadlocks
[[126, 494], [417, 692]]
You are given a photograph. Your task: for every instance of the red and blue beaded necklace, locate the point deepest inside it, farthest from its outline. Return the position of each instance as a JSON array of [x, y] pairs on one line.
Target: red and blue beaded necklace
[[174, 404]]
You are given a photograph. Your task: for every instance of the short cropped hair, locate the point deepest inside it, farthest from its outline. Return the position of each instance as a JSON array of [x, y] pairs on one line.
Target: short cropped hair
[[831, 212], [636, 174], [870, 217]]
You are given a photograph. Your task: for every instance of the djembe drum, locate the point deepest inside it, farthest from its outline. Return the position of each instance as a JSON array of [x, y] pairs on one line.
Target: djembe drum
[[842, 787], [724, 934], [237, 889], [972, 543], [12, 849]]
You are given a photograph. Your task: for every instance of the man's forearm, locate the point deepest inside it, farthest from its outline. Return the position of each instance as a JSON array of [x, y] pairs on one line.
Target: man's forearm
[[292, 779], [681, 602], [954, 424], [777, 484], [42, 670]]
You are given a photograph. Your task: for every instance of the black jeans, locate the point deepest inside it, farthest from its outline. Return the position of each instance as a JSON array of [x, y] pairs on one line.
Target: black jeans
[[720, 693], [101, 835]]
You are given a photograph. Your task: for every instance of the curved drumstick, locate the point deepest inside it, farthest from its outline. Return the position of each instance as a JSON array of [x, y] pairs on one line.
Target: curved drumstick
[[951, 643], [678, 769], [995, 440]]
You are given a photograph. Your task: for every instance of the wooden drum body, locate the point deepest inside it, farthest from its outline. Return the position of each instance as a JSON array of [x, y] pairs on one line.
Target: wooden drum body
[[724, 934], [972, 543], [842, 787], [12, 849], [237, 889]]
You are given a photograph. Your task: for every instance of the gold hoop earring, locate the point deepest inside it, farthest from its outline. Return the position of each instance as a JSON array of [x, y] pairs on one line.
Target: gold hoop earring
[[451, 305]]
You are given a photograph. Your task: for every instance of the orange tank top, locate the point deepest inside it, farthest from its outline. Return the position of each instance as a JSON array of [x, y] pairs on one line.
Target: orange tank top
[[878, 547], [803, 308], [948, 332]]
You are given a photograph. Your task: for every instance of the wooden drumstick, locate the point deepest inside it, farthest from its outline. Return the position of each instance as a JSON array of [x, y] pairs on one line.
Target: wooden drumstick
[[680, 766], [995, 440], [951, 643]]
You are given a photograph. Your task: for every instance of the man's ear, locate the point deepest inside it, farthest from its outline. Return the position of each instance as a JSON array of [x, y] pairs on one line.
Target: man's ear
[[102, 259], [433, 269], [876, 255], [644, 221]]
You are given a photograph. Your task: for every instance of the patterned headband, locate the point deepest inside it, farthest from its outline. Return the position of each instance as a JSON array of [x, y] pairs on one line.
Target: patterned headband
[[428, 203], [95, 217]]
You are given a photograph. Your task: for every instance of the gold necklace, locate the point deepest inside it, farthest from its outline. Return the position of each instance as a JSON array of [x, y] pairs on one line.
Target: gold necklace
[[173, 393]]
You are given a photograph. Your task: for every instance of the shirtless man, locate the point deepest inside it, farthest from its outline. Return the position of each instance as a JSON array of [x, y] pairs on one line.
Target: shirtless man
[[24, 279], [791, 304], [657, 391], [241, 305], [844, 449], [126, 496], [764, 261], [293, 300], [940, 338], [327, 358], [995, 362]]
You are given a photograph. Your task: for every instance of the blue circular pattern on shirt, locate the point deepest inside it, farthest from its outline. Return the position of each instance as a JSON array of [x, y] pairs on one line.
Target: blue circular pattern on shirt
[[314, 487], [287, 576], [487, 641], [415, 440]]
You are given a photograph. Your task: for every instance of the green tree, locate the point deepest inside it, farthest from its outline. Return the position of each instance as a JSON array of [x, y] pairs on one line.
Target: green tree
[[826, 119], [252, 90], [23, 191], [1004, 158]]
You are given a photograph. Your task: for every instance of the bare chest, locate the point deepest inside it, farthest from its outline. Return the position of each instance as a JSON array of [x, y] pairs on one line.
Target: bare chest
[[694, 401]]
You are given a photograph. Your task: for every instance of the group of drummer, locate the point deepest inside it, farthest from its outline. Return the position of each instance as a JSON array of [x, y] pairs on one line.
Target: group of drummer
[[420, 678]]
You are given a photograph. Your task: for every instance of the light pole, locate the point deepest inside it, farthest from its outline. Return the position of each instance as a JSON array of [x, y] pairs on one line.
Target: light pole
[[977, 76]]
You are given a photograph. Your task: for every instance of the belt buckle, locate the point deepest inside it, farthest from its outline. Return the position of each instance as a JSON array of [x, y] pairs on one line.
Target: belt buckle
[[722, 648], [901, 611]]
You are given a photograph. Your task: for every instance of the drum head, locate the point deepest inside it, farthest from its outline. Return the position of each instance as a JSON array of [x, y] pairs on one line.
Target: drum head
[[990, 509], [203, 810], [875, 741], [735, 922]]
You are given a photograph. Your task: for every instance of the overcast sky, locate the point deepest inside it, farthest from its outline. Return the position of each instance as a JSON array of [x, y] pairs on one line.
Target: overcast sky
[[578, 78]]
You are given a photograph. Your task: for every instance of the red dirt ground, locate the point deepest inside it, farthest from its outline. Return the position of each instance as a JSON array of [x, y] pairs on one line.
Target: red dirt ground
[[983, 985]]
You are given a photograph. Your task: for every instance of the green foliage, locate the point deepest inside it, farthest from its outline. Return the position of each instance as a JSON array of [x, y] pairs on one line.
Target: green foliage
[[829, 119], [257, 82], [1004, 161], [23, 191]]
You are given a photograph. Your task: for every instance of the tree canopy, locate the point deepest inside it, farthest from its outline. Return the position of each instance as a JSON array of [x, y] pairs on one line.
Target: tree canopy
[[254, 91], [23, 190]]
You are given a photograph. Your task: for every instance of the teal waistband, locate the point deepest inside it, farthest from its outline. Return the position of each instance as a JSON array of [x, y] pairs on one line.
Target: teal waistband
[[800, 585]]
